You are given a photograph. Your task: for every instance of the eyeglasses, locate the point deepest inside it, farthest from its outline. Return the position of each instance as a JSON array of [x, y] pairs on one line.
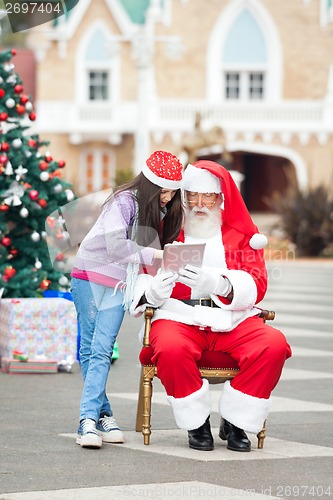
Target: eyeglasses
[[206, 198]]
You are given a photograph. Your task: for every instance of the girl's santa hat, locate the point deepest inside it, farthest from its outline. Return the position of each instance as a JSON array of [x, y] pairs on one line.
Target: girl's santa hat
[[206, 176], [163, 169]]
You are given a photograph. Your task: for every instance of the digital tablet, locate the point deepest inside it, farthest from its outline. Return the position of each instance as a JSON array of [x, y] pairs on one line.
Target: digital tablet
[[177, 255]]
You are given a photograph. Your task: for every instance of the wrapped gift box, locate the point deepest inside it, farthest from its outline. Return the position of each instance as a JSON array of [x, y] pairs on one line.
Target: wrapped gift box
[[32, 366], [38, 327]]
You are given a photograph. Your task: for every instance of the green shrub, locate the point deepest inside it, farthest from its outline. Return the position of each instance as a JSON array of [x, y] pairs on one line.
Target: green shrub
[[122, 176], [307, 219]]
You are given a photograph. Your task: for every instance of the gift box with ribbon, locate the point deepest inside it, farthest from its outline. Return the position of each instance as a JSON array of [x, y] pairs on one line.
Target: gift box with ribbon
[[43, 329]]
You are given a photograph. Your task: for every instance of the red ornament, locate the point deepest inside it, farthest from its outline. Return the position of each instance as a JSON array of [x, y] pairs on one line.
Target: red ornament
[[45, 284], [2, 93], [42, 203], [32, 143], [3, 116], [61, 163], [3, 159], [13, 252], [59, 234], [24, 98], [48, 158], [51, 221], [56, 173], [5, 146], [14, 52], [43, 165], [9, 272], [4, 208], [18, 89], [60, 257], [20, 109], [33, 194], [32, 116], [6, 241]]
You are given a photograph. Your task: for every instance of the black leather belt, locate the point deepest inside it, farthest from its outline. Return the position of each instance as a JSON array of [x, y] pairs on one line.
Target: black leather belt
[[199, 302]]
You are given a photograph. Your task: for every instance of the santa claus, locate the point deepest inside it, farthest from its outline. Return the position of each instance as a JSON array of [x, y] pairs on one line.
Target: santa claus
[[213, 308]]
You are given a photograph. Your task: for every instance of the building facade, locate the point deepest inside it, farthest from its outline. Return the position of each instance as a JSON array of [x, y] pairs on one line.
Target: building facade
[[248, 83]]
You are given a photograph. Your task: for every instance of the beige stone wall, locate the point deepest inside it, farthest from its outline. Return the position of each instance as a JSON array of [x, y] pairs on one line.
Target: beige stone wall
[[320, 162], [56, 76], [307, 48], [307, 51], [307, 55]]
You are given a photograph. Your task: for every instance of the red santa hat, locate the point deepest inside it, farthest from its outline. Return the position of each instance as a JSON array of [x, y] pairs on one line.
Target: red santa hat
[[163, 169], [206, 176]]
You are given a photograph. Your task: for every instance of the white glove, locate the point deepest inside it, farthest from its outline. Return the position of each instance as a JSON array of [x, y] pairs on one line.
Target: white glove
[[160, 288], [204, 281]]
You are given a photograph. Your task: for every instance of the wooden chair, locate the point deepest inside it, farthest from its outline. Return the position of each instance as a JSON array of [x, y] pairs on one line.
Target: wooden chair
[[216, 367]]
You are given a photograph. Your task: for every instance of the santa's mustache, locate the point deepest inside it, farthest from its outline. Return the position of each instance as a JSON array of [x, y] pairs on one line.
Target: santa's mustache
[[204, 210]]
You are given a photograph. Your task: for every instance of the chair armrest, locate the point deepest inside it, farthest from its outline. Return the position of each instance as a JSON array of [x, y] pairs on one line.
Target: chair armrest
[[267, 315], [149, 313]]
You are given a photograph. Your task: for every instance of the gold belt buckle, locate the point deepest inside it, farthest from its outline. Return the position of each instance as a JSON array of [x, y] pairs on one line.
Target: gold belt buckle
[[205, 299]]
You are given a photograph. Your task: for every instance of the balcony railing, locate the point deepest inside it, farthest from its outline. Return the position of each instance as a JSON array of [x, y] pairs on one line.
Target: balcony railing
[[294, 112], [167, 116]]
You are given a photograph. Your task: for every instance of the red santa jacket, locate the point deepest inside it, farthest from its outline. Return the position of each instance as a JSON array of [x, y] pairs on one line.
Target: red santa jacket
[[230, 255]]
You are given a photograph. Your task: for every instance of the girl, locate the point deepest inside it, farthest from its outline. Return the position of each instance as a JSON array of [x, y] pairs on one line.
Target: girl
[[137, 220]]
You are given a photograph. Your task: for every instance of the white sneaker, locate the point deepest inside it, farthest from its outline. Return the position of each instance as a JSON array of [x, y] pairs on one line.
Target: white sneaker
[[88, 436], [109, 431]]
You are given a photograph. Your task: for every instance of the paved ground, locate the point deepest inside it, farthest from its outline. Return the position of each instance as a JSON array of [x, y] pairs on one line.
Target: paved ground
[[38, 420]]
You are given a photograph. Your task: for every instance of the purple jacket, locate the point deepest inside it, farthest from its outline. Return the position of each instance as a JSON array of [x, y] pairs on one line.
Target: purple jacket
[[108, 247]]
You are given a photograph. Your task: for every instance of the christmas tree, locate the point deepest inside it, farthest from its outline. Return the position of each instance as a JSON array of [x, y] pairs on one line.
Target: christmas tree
[[31, 188]]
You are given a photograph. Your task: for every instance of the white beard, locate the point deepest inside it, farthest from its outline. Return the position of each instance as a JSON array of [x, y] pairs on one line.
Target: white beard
[[198, 226]]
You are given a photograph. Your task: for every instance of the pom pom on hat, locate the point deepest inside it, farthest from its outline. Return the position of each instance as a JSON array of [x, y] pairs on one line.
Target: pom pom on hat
[[258, 241], [163, 169]]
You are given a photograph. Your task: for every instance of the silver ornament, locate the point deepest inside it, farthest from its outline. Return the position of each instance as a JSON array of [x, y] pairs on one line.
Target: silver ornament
[[10, 103], [44, 176], [17, 143], [24, 212], [63, 281], [38, 264], [35, 236]]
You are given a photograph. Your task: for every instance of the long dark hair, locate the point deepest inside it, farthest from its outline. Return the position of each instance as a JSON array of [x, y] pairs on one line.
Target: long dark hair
[[147, 196]]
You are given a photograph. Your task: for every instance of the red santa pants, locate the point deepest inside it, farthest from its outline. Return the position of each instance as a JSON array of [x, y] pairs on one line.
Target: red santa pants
[[259, 349]]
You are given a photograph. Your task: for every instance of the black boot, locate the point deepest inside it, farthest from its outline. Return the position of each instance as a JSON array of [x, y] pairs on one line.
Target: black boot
[[236, 437], [201, 438]]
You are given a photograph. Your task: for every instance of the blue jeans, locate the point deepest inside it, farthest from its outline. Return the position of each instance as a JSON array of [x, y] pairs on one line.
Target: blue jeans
[[100, 314]]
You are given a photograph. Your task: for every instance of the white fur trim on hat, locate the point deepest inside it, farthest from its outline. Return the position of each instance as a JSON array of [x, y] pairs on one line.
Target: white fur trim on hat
[[164, 170], [242, 410], [258, 241], [160, 181], [200, 180]]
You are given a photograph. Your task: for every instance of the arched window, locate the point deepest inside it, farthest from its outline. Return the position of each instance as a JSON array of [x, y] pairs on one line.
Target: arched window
[[98, 74], [97, 170], [244, 58], [326, 12]]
